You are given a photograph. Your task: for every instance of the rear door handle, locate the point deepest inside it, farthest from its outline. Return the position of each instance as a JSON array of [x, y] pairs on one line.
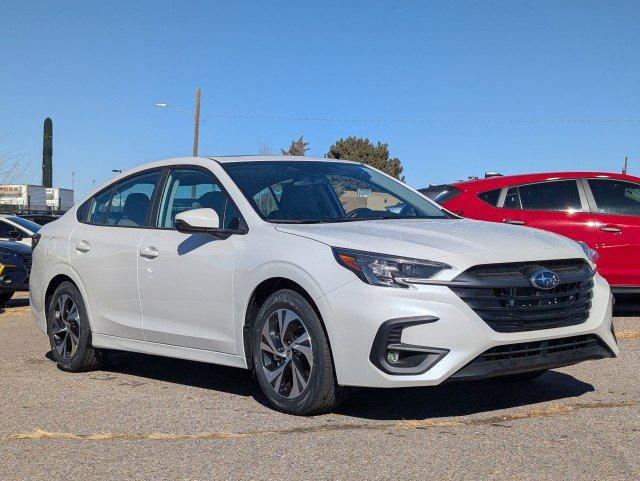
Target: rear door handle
[[610, 228], [149, 252], [82, 246], [513, 221]]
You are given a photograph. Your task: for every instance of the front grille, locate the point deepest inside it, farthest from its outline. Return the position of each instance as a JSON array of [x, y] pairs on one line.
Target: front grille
[[512, 270], [502, 295], [539, 348], [535, 355]]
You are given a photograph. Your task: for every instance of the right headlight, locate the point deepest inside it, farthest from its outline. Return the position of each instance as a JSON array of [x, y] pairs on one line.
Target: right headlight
[[386, 270]]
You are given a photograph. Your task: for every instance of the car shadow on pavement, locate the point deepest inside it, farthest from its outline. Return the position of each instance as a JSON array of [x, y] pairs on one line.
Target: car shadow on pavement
[[178, 371], [20, 302], [460, 398], [450, 399]]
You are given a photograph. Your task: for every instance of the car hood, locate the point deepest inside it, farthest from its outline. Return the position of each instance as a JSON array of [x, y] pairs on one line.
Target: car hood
[[461, 241]]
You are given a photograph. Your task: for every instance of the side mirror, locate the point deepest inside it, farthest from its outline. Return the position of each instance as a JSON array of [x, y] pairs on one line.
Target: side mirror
[[198, 220]]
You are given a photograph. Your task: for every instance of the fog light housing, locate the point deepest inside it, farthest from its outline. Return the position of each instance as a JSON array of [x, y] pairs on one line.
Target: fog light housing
[[393, 357]]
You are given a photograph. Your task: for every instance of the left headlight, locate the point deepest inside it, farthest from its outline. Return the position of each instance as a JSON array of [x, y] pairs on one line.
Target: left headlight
[[385, 270]]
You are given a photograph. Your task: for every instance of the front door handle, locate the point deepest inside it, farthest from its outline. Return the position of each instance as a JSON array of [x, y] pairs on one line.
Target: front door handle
[[149, 252], [614, 229], [513, 221], [82, 246]]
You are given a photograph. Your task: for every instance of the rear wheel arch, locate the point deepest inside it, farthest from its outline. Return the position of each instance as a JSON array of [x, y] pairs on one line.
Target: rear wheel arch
[[54, 283]]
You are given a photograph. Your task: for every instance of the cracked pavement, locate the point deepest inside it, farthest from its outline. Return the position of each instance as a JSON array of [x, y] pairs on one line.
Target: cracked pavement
[[146, 417]]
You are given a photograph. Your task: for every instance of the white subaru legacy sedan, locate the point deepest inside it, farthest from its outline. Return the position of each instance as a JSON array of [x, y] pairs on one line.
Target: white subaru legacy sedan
[[316, 274]]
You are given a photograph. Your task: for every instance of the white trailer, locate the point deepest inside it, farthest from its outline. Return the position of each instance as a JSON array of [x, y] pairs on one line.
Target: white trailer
[[23, 197], [59, 199]]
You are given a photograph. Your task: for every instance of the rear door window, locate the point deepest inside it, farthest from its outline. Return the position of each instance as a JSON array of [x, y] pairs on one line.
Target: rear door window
[[99, 209], [561, 195], [512, 199], [127, 204], [616, 196]]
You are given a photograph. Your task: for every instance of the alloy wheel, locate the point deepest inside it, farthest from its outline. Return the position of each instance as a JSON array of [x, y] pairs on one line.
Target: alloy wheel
[[286, 353], [66, 327]]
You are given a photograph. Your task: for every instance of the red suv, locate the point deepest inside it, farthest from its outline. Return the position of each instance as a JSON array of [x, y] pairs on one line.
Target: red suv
[[600, 209]]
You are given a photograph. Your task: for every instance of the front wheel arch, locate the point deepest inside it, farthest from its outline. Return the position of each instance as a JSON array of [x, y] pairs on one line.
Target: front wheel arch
[[259, 295]]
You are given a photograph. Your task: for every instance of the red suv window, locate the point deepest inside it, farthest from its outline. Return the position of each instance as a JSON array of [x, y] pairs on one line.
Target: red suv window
[[491, 197], [560, 195], [616, 196]]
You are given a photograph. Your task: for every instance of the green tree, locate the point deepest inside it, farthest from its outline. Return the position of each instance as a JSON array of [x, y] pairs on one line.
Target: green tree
[[298, 147], [363, 150]]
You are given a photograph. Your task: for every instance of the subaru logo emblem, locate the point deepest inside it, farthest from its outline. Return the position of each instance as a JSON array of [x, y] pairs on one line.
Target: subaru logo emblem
[[545, 279]]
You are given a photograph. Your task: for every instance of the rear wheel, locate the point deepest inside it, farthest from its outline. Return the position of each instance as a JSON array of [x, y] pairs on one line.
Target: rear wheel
[[5, 297], [69, 330], [291, 356]]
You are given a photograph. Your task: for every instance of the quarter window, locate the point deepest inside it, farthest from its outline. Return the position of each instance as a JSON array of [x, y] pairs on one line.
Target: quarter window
[[616, 196], [490, 197], [188, 189]]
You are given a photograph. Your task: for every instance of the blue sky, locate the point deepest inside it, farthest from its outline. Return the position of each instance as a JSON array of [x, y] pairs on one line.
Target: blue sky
[[98, 68]]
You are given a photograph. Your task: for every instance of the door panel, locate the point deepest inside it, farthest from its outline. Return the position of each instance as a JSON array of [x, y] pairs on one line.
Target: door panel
[[106, 260], [555, 206], [104, 252], [619, 248], [186, 280], [186, 290], [618, 229]]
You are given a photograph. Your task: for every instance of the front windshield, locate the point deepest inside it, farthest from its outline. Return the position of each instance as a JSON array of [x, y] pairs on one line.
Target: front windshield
[[25, 223], [325, 191]]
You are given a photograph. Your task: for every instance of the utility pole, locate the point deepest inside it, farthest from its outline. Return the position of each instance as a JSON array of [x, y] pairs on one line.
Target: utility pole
[[73, 179], [196, 123], [624, 169]]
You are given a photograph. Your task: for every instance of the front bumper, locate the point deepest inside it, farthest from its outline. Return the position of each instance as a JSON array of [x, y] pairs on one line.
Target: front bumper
[[354, 314]]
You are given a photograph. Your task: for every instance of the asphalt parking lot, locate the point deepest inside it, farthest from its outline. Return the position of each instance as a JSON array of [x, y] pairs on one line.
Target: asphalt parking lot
[[146, 417]]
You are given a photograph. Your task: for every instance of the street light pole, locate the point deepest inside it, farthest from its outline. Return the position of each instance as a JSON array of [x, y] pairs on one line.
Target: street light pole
[[196, 124], [196, 119]]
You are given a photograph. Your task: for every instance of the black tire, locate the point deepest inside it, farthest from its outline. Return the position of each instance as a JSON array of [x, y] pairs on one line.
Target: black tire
[[5, 297], [321, 393], [84, 357]]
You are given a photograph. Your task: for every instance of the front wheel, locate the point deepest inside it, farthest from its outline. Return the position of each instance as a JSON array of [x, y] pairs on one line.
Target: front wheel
[[69, 330], [291, 356]]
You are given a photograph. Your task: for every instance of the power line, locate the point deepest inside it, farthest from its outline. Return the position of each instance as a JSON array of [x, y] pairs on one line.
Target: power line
[[423, 121]]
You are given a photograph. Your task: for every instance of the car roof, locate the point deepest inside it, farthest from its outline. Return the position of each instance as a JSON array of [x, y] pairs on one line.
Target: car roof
[[224, 159], [508, 180]]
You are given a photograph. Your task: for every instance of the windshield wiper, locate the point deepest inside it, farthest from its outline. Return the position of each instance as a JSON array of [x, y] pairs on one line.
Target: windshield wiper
[[298, 221], [348, 219]]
